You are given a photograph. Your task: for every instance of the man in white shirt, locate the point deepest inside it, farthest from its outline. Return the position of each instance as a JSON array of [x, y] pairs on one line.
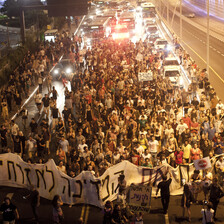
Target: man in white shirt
[[153, 148], [31, 147], [146, 154], [82, 145], [181, 127], [219, 107], [38, 100], [139, 149], [14, 129], [64, 144]]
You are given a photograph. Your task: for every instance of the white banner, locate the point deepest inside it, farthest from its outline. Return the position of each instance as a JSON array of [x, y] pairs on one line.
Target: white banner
[[145, 76], [202, 164], [84, 188]]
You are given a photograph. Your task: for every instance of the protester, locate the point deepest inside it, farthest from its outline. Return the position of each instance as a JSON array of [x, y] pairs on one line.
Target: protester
[[58, 215], [164, 187], [187, 200], [10, 212]]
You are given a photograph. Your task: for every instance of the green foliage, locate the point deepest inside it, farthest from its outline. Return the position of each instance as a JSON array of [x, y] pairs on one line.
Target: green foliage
[[9, 62]]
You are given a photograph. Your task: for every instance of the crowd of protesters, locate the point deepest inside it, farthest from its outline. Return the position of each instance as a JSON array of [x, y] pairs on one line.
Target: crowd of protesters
[[109, 116]]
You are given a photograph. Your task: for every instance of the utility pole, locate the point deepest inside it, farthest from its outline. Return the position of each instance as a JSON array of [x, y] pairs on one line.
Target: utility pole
[[181, 25], [167, 12], [208, 44], [22, 25], [8, 42]]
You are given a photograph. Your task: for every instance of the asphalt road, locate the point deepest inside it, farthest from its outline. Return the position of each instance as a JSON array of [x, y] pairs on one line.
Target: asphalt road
[[194, 41], [91, 214]]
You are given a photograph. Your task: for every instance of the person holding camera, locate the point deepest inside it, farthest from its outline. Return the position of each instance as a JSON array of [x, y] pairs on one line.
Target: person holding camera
[[207, 213]]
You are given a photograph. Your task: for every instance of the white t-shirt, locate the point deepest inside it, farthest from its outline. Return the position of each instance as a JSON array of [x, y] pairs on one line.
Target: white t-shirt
[[148, 156], [153, 146], [31, 145], [140, 150], [181, 128]]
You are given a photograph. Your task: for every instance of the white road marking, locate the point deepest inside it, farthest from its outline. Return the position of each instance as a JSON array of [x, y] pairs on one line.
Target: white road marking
[[218, 52], [222, 55], [167, 218]]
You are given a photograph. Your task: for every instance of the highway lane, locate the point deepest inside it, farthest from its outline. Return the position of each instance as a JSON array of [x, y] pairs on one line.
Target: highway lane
[[194, 41], [91, 214]]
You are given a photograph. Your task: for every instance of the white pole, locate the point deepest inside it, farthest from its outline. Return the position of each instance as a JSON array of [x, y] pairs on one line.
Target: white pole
[[208, 21], [167, 12], [181, 20]]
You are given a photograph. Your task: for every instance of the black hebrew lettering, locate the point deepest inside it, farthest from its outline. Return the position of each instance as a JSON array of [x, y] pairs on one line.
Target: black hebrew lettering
[[38, 178], [14, 170], [119, 172], [112, 188], [69, 187], [21, 170], [158, 171], [53, 181], [107, 178], [96, 183], [146, 172], [27, 170], [80, 192]]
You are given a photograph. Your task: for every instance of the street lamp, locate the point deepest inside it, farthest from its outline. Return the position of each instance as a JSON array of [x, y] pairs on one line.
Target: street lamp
[[207, 44]]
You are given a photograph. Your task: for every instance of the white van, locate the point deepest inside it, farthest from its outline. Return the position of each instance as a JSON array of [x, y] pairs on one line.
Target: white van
[[173, 73], [171, 61]]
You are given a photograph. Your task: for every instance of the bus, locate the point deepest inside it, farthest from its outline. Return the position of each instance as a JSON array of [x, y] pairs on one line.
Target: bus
[[99, 3], [148, 10], [127, 19], [98, 28]]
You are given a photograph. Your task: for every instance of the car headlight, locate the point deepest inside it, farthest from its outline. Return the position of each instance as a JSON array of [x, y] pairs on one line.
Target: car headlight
[[56, 72], [168, 47], [68, 70], [181, 81]]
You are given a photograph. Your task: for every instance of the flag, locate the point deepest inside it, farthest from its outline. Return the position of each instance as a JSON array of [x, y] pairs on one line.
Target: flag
[[202, 164]]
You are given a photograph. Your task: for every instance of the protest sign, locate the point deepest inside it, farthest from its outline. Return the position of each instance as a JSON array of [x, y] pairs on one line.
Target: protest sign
[[140, 197], [145, 76]]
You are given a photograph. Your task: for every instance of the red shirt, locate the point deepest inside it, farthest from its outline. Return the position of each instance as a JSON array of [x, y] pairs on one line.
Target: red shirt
[[135, 159], [187, 121], [179, 157]]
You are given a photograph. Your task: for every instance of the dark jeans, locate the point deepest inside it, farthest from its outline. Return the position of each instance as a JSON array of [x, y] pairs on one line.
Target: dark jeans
[[214, 205], [165, 199], [35, 212]]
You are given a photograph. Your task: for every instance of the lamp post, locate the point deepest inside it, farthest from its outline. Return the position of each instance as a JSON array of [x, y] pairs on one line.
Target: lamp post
[[181, 25], [8, 41], [207, 44]]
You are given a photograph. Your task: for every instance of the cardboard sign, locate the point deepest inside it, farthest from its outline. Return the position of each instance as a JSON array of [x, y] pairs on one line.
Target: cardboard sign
[[140, 197]]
